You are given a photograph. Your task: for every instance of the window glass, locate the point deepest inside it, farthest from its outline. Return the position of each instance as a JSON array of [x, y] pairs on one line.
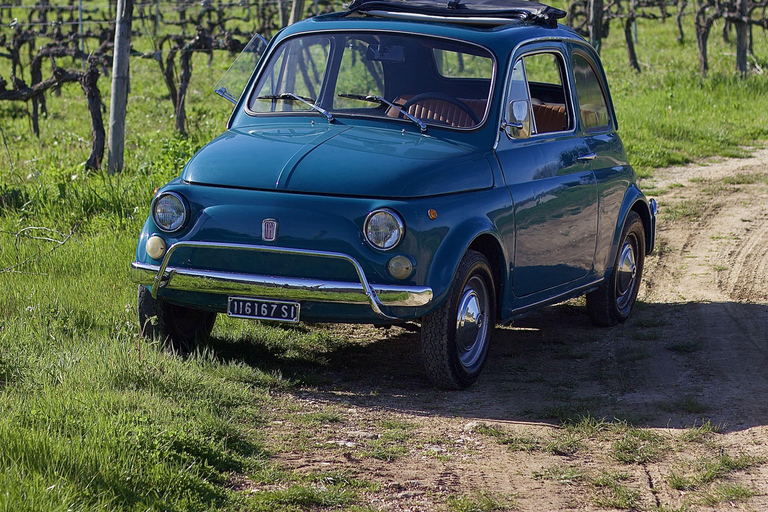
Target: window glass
[[549, 107], [452, 64], [298, 68], [358, 75], [594, 113], [544, 68], [518, 90], [377, 74]]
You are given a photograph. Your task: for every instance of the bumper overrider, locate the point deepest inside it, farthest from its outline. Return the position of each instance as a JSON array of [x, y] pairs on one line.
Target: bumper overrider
[[280, 288]]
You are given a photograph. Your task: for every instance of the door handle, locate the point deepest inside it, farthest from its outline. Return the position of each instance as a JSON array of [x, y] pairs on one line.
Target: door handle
[[586, 158]]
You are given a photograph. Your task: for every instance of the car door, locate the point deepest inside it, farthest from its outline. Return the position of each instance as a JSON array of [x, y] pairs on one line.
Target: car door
[[549, 175]]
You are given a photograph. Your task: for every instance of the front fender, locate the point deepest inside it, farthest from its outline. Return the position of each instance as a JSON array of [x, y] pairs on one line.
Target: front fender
[[451, 250]]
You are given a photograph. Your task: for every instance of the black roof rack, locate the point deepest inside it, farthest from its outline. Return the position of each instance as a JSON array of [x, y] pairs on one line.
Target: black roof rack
[[483, 12]]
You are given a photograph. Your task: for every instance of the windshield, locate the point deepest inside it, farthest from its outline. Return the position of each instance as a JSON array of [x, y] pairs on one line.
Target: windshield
[[427, 81]]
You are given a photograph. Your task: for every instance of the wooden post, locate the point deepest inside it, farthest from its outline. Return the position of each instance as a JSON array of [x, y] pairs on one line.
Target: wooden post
[[596, 23], [119, 86], [742, 40], [297, 11]]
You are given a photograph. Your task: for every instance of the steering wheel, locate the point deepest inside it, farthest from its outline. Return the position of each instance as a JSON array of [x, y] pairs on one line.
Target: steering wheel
[[442, 97]]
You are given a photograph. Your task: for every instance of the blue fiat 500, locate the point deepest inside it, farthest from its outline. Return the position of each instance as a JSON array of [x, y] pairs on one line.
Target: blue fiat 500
[[455, 164]]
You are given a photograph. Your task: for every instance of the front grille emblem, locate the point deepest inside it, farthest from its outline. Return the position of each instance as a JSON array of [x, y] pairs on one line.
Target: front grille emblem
[[269, 230]]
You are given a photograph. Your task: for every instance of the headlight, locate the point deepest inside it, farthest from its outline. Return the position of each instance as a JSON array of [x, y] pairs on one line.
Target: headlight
[[384, 229], [169, 212]]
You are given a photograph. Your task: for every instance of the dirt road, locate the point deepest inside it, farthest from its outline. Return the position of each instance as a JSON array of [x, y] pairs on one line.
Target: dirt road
[[676, 396]]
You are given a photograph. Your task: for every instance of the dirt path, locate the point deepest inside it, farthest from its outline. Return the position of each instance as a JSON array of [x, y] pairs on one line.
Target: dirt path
[[695, 350]]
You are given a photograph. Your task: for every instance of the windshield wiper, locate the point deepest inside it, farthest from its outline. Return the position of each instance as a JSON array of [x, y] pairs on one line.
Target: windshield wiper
[[296, 97], [378, 99]]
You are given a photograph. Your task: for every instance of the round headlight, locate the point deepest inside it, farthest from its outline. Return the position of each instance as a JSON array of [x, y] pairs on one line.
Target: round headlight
[[384, 229], [169, 212]]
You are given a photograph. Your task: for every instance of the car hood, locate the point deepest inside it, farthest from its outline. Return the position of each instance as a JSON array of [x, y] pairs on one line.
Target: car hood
[[339, 160]]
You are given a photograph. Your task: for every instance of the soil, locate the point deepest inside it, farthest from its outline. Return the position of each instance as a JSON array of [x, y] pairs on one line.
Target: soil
[[692, 354]]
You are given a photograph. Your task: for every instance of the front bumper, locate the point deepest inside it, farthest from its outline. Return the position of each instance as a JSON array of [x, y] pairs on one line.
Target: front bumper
[[272, 287]]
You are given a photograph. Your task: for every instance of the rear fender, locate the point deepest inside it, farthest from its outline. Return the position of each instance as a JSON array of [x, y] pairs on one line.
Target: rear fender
[[634, 200]]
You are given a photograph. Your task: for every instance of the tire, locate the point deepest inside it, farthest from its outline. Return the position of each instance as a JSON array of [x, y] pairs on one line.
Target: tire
[[612, 302], [177, 327], [454, 344]]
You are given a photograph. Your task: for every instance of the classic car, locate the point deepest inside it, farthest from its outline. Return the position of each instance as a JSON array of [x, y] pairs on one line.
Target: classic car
[[452, 164]]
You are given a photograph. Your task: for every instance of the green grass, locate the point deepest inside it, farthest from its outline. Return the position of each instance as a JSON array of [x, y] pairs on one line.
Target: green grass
[[93, 418], [708, 470], [612, 492], [482, 502], [638, 446]]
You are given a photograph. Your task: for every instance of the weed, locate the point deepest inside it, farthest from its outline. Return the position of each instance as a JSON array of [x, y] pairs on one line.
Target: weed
[[709, 470], [611, 492], [727, 493], [482, 502], [685, 346], [697, 434], [562, 474], [687, 210], [638, 446], [515, 443]]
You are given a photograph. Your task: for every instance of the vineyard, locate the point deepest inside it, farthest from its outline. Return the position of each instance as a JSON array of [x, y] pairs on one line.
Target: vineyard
[[78, 43], [44, 46]]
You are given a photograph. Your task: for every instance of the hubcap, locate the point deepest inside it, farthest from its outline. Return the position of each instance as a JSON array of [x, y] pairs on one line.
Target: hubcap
[[471, 322], [627, 275]]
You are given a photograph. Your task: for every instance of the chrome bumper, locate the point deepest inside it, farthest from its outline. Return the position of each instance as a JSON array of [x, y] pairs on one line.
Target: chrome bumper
[[270, 287]]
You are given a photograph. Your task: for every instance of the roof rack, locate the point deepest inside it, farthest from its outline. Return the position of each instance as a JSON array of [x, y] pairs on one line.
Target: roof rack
[[473, 12]]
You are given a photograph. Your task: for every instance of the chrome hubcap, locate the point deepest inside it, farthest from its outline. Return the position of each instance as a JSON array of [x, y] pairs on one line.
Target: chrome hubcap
[[471, 322], [627, 275]]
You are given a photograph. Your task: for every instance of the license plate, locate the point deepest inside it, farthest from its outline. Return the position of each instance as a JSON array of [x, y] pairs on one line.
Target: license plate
[[279, 310]]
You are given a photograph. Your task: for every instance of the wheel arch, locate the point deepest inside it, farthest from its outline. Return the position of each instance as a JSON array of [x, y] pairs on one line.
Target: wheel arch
[[474, 234], [634, 201], [490, 247]]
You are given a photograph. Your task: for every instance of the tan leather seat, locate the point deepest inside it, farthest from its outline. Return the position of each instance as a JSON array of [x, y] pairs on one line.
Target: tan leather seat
[[444, 111], [550, 118]]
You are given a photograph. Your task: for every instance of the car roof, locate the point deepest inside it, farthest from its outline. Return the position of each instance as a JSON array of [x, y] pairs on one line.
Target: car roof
[[500, 38], [467, 12]]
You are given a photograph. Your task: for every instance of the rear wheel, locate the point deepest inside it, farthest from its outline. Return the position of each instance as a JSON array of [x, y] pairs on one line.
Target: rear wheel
[[178, 327], [455, 338], [612, 302]]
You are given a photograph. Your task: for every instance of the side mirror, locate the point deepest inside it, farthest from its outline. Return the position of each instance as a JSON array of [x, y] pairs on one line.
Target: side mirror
[[519, 124]]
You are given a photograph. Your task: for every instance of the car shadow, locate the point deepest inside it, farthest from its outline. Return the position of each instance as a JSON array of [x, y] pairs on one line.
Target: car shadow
[[670, 365]]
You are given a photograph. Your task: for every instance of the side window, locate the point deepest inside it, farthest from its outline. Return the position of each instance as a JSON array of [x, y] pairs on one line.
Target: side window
[[539, 78], [545, 85], [594, 112]]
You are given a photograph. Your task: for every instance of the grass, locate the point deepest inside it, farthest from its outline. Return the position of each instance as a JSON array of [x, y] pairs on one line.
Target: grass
[[91, 417], [638, 446], [482, 502], [566, 475], [708, 470], [612, 492]]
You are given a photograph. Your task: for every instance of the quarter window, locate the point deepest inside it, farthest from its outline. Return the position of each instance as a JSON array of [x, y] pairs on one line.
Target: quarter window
[[592, 104]]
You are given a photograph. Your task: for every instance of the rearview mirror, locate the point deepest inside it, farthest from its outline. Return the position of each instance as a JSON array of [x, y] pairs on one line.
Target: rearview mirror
[[382, 53]]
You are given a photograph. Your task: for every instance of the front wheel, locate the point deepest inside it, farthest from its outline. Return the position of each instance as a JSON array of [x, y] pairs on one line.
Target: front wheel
[[612, 302], [178, 327], [455, 337]]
